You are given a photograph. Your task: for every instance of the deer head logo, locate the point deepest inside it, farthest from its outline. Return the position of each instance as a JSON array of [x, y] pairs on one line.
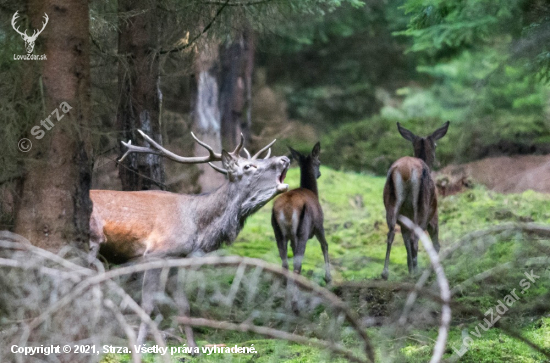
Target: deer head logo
[[29, 40]]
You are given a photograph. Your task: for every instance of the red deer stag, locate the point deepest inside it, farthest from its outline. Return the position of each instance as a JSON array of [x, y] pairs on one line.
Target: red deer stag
[[297, 215], [128, 226], [410, 191]]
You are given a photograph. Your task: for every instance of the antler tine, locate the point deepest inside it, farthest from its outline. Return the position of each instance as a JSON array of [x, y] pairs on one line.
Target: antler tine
[[212, 154], [13, 20], [267, 147], [247, 153], [237, 150], [43, 24], [136, 149], [159, 150], [218, 169]]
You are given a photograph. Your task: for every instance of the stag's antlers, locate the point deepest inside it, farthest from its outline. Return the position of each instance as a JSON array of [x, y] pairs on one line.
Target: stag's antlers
[[35, 34], [212, 155]]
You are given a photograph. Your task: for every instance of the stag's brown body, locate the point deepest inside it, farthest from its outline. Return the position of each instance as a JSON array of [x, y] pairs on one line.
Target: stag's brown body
[[410, 191], [149, 224]]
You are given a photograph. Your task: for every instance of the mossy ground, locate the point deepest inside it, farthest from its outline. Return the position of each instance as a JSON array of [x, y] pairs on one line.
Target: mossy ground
[[356, 232]]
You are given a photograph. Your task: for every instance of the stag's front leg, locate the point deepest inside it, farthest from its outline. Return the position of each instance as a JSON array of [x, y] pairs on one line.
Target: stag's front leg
[[185, 311], [151, 282]]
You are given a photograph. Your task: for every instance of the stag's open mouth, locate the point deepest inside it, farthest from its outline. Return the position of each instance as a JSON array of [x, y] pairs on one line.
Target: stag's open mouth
[[281, 187], [283, 175]]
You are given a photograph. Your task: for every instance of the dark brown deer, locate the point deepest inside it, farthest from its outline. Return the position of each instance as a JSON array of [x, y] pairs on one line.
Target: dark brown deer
[[297, 215], [128, 226], [410, 191]]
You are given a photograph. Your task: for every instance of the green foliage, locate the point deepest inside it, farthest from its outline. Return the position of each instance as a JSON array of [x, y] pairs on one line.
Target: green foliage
[[374, 144], [438, 25], [329, 69], [492, 105]]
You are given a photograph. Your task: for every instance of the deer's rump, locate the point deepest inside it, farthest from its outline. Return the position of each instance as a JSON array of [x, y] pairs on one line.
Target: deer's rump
[[292, 206], [409, 186]]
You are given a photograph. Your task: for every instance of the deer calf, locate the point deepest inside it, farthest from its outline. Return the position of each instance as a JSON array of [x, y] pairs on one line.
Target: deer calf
[[410, 191], [297, 215]]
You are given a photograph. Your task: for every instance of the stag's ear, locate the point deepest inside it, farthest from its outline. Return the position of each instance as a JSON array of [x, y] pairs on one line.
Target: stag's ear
[[316, 150], [229, 163], [407, 135], [440, 132], [295, 154]]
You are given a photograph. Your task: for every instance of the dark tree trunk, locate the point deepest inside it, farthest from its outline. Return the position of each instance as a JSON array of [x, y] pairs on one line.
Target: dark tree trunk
[[237, 60], [55, 206], [206, 113], [140, 97]]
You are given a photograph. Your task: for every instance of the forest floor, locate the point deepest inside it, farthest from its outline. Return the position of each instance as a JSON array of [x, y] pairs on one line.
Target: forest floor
[[506, 174], [356, 233]]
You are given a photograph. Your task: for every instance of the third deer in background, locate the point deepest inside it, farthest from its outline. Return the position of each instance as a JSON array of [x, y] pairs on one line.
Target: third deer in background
[[297, 215], [410, 191]]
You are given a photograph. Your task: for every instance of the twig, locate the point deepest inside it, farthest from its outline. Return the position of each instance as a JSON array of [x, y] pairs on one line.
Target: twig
[[136, 356], [270, 332], [190, 43], [446, 253], [444, 290], [218, 261]]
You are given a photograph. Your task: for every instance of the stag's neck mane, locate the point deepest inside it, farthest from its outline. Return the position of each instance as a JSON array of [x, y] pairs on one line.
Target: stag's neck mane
[[220, 215], [307, 179]]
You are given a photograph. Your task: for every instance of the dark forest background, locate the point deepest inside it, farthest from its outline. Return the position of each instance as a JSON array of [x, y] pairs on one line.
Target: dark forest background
[[340, 72]]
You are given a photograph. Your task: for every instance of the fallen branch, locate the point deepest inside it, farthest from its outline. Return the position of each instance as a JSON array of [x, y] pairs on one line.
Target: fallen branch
[[441, 342]]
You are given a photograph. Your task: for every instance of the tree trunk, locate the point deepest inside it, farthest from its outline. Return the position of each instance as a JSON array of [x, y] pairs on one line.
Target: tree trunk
[[140, 96], [55, 205], [237, 58], [206, 114]]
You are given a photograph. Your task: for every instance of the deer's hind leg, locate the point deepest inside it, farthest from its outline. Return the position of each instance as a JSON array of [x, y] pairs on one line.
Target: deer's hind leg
[[433, 231], [393, 198], [320, 234], [282, 241], [299, 241], [407, 239]]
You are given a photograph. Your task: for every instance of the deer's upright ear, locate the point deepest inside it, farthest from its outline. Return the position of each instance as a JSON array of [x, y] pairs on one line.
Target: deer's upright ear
[[316, 150], [440, 132], [295, 154], [407, 135], [229, 163]]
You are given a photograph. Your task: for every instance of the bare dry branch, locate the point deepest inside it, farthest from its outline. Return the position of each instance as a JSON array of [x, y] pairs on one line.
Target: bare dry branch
[[445, 292], [269, 332]]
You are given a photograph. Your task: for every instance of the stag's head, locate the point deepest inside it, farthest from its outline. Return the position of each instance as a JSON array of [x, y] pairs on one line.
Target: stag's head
[[424, 147], [29, 40], [257, 180], [253, 180]]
